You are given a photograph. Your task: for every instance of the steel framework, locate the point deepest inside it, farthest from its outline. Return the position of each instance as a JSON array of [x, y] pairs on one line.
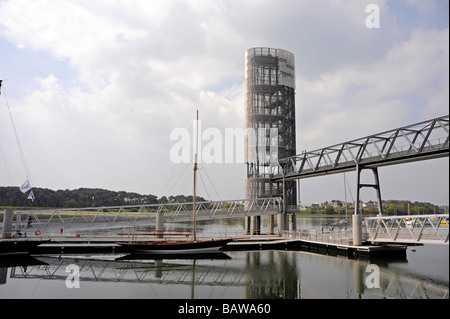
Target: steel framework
[[411, 228], [270, 116], [420, 141], [123, 216], [416, 229]]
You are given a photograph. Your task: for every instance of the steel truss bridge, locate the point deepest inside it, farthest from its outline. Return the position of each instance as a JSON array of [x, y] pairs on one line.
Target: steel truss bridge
[[416, 142], [420, 141], [141, 215]]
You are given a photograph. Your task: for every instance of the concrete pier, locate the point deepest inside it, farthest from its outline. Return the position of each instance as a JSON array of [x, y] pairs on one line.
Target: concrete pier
[[271, 230], [255, 227], [282, 221], [357, 230], [160, 225], [7, 224]]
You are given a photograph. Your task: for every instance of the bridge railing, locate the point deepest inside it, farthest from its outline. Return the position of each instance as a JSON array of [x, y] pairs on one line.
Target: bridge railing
[[390, 229], [35, 222], [410, 228], [338, 237], [428, 139]]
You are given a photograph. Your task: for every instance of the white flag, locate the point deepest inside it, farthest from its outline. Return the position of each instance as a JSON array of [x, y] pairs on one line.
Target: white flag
[[31, 196], [25, 186]]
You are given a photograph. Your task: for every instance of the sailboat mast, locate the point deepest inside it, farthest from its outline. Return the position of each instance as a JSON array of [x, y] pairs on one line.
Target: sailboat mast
[[195, 186]]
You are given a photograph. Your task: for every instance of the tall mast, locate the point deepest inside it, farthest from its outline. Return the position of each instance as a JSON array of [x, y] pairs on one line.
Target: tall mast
[[195, 186]]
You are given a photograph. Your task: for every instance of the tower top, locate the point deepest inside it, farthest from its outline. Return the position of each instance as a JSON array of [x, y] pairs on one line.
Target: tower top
[[280, 60]]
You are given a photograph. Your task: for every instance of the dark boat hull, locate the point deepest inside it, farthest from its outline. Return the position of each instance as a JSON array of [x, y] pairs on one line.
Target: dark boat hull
[[172, 248], [155, 256], [17, 247]]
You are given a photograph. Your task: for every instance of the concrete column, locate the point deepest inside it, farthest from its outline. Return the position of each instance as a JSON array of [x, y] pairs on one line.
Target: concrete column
[[247, 225], [280, 224], [357, 230], [271, 225], [294, 222], [7, 223], [255, 228], [283, 223], [159, 225]]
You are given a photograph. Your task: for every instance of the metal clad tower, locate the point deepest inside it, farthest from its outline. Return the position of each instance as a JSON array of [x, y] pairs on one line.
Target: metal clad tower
[[270, 120]]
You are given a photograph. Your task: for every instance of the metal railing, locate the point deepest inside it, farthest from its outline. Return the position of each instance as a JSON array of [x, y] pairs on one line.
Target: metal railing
[[339, 237], [410, 228], [34, 222], [431, 229], [420, 141]]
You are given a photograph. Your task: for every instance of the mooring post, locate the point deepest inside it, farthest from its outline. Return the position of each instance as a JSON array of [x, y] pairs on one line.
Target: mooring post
[[271, 225], [247, 225], [255, 227], [160, 225], [7, 223], [357, 230], [294, 222]]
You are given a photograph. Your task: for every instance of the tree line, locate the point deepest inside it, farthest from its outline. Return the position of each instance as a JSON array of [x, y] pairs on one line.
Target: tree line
[[390, 207], [403, 207], [83, 197], [95, 197]]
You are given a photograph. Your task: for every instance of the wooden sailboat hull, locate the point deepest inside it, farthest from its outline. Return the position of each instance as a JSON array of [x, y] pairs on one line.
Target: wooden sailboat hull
[[188, 247]]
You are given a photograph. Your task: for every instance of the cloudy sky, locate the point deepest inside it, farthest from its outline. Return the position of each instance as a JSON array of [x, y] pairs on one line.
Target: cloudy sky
[[96, 87]]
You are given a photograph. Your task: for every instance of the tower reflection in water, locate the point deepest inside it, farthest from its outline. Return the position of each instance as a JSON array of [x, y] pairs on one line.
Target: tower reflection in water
[[271, 276], [247, 275]]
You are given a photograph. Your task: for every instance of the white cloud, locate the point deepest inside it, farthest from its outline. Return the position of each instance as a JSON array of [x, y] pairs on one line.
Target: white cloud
[[143, 67], [370, 98]]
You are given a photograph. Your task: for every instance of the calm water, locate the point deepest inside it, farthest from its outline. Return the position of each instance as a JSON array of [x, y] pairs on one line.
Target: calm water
[[232, 275]]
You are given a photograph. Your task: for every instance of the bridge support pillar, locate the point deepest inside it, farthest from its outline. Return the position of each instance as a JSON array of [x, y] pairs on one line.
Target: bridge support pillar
[[255, 227], [294, 222], [357, 230], [283, 223], [357, 218], [160, 225], [247, 225], [271, 230], [7, 224]]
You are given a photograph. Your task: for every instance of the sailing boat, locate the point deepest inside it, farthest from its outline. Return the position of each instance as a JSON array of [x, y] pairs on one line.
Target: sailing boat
[[181, 247], [12, 244]]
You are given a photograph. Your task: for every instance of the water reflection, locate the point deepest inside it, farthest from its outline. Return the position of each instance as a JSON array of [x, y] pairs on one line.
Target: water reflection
[[252, 275], [271, 275]]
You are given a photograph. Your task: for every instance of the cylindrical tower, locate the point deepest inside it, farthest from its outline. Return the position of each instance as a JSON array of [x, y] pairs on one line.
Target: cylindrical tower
[[269, 120]]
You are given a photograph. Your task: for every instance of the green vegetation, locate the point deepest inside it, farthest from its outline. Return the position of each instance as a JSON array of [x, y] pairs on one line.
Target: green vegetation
[[390, 207], [400, 207], [12, 197], [82, 197]]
